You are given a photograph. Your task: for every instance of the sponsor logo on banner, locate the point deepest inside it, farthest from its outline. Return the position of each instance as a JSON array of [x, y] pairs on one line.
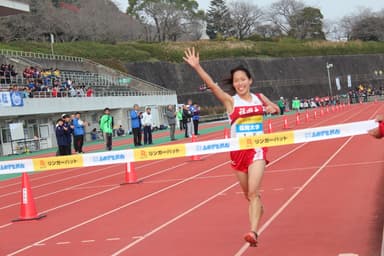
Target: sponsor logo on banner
[[267, 140], [213, 146], [108, 158], [163, 152], [18, 166], [55, 163], [323, 133]]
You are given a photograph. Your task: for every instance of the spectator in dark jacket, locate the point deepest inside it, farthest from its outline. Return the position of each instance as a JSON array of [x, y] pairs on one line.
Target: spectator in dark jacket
[[61, 138]]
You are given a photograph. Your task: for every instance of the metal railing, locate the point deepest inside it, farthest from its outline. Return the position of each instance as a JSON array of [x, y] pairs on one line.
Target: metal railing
[[66, 94], [44, 56]]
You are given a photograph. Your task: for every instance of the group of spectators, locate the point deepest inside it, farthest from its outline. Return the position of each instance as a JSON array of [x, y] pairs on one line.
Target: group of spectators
[[48, 83], [189, 116], [7, 73], [70, 129], [362, 92]]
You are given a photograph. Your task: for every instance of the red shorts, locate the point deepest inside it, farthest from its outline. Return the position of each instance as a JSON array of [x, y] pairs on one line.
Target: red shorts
[[242, 159]]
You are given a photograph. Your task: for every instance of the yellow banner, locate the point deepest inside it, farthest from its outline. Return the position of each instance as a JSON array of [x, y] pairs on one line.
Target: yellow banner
[[267, 140], [161, 152], [55, 163]]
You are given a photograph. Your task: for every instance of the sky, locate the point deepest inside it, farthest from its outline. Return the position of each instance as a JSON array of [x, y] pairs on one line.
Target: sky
[[331, 9]]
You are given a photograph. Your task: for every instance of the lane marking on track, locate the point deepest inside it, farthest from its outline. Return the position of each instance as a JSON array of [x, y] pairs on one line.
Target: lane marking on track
[[285, 205], [6, 225], [37, 245], [63, 243], [172, 220], [113, 239], [120, 208], [88, 241]]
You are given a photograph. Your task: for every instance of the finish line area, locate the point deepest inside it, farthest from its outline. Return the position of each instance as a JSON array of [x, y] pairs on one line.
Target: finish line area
[[323, 197]]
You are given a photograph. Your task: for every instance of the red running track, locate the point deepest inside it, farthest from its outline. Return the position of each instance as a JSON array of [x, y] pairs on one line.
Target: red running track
[[321, 198]]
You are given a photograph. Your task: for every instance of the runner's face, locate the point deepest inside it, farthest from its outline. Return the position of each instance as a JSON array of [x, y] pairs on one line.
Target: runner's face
[[241, 82]]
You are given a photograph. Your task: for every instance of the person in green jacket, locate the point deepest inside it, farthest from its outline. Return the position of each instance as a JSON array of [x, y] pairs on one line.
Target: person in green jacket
[[179, 116], [106, 127], [281, 105], [296, 104]]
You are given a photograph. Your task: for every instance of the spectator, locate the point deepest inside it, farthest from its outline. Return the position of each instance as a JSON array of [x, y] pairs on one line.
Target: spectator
[[120, 131], [78, 133], [171, 117], [89, 92], [94, 134], [296, 104], [180, 118], [68, 127], [196, 118], [147, 122], [281, 105], [61, 138], [187, 121], [136, 125], [106, 127]]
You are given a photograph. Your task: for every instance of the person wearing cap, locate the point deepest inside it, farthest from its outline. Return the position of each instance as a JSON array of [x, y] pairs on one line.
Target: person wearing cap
[[106, 127], [68, 127], [78, 133], [187, 115]]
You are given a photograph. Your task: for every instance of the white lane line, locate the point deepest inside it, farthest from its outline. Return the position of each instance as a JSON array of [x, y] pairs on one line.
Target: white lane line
[[6, 225], [113, 239], [153, 231], [119, 208], [278, 189], [88, 241], [63, 243]]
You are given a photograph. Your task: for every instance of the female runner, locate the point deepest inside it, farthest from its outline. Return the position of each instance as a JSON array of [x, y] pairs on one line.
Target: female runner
[[245, 111]]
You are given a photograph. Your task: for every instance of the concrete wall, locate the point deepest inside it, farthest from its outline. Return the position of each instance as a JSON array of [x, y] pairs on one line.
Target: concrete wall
[[275, 77]]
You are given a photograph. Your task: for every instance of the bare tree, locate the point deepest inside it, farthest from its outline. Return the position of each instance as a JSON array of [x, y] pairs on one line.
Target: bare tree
[[87, 20], [280, 13], [245, 18]]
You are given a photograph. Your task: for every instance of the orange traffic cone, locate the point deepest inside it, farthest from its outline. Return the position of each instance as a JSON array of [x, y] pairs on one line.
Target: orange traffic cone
[[195, 157], [327, 109], [27, 207], [226, 133], [321, 111], [130, 174], [315, 114], [270, 130], [298, 119], [307, 116], [285, 123]]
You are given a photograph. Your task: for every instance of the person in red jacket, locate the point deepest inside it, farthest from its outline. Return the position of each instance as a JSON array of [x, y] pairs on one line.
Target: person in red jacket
[[379, 131]]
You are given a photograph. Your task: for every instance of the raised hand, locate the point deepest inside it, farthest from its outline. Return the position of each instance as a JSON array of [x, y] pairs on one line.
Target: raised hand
[[192, 57]]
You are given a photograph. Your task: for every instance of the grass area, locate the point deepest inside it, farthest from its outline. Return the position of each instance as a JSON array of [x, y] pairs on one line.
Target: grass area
[[115, 55]]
